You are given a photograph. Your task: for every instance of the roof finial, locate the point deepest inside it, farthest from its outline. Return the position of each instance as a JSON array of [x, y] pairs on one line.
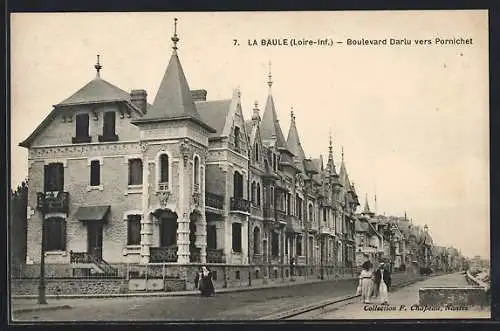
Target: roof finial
[[330, 147], [98, 67], [342, 153], [255, 115], [175, 38], [292, 116], [270, 76]]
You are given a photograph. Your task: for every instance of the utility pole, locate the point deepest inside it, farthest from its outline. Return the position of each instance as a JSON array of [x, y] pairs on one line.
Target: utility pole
[[41, 286]]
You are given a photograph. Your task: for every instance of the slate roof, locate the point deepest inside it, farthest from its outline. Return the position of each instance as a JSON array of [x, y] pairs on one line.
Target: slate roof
[[294, 145], [269, 126], [214, 113], [96, 91], [174, 100]]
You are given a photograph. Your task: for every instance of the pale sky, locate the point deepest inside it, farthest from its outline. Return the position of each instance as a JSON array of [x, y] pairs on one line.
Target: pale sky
[[413, 120]]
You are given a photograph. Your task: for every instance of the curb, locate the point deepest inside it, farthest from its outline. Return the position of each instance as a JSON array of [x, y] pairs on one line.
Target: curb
[[48, 308], [178, 293]]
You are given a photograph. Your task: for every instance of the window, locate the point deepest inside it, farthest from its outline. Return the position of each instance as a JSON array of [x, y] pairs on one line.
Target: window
[[258, 194], [272, 196], [109, 127], [54, 177], [299, 245], [238, 185], [133, 229], [237, 138], [252, 192], [211, 237], [275, 242], [256, 240], [275, 166], [82, 129], [237, 237], [55, 234], [95, 173], [164, 168], [196, 173], [288, 204], [135, 172], [324, 215], [257, 152], [287, 239], [311, 213]]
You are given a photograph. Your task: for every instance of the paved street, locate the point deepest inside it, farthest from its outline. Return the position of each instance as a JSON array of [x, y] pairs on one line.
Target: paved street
[[224, 306], [407, 296]]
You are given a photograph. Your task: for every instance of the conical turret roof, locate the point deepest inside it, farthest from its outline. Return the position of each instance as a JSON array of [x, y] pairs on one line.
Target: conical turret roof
[[294, 145]]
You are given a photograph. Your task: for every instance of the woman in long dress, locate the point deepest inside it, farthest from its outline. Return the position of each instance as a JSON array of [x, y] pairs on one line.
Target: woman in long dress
[[365, 282], [206, 285]]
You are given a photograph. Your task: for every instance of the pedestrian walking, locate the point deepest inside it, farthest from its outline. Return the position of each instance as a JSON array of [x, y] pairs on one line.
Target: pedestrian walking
[[365, 282], [206, 284], [382, 277]]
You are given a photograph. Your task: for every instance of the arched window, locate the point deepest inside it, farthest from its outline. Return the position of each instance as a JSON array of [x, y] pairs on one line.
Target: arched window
[[256, 240], [311, 213], [258, 194], [272, 196], [257, 152], [164, 175], [252, 193], [196, 173]]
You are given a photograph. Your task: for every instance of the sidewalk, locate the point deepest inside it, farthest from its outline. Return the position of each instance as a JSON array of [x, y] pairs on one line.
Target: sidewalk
[[29, 303], [403, 304]]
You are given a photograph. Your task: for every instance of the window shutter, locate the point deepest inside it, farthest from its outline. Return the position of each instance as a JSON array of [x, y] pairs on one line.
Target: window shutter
[[63, 234], [46, 178], [59, 182]]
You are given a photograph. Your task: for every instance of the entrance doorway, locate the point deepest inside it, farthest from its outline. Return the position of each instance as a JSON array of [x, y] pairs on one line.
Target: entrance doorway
[[94, 239]]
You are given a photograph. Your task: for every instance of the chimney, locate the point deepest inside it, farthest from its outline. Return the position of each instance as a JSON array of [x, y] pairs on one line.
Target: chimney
[[199, 95], [139, 99]]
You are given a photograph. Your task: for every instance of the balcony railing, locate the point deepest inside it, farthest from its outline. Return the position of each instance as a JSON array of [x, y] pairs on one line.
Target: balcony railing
[[53, 202], [281, 215], [215, 256], [163, 254], [257, 259], [195, 254], [240, 204], [214, 200]]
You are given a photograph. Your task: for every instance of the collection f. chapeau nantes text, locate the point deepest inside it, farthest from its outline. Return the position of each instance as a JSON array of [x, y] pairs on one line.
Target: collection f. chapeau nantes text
[[301, 42]]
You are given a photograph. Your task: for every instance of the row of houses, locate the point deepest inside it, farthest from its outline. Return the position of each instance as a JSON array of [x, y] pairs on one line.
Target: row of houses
[[185, 181]]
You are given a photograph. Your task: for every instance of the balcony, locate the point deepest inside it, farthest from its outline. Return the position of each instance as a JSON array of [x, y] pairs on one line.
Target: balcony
[[215, 256], [280, 215], [53, 202], [81, 140], [214, 200], [293, 224], [240, 204], [257, 259], [163, 254], [195, 254], [108, 137]]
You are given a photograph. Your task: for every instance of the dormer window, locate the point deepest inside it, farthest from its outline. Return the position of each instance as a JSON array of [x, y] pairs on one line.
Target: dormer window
[[237, 138], [109, 127], [82, 129]]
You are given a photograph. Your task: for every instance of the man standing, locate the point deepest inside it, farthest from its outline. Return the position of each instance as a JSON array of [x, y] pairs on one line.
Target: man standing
[[382, 280]]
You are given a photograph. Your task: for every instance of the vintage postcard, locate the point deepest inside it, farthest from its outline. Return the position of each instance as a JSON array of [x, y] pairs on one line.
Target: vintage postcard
[[249, 166]]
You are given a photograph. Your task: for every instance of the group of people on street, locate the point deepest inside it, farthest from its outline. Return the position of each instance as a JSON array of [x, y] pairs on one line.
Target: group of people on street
[[374, 284], [203, 282]]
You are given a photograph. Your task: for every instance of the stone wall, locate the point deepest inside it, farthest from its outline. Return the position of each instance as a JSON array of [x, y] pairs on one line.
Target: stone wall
[[69, 286], [456, 296]]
